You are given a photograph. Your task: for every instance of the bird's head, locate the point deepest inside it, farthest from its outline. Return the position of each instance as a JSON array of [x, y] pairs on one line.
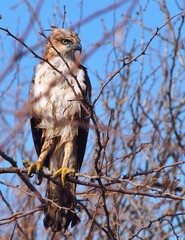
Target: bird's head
[[64, 42]]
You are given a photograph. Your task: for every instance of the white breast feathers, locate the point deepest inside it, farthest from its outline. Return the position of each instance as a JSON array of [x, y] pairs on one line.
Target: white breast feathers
[[54, 96]]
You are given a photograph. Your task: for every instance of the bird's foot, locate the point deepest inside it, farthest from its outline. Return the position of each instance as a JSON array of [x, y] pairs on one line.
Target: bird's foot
[[34, 168], [63, 172]]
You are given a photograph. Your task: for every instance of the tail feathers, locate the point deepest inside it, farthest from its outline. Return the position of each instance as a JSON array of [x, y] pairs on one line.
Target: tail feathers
[[59, 213]]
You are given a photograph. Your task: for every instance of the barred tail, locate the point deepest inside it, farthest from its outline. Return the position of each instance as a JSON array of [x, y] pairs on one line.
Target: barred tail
[[59, 211]]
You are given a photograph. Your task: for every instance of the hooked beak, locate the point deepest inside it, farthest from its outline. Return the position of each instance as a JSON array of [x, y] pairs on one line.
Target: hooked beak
[[78, 47]]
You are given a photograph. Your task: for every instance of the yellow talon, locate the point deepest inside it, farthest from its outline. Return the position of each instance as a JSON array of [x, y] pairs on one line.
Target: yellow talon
[[26, 163], [31, 166], [63, 171]]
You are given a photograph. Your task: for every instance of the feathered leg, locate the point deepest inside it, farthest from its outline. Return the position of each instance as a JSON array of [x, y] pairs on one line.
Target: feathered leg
[[46, 150]]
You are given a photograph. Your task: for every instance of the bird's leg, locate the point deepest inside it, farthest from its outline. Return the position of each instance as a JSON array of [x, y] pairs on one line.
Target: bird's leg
[[69, 162], [40, 162]]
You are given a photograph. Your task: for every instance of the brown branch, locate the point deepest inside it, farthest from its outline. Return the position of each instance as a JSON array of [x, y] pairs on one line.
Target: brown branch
[[92, 220], [43, 200], [154, 221], [105, 187], [96, 223], [169, 93], [16, 216], [11, 211], [24, 178]]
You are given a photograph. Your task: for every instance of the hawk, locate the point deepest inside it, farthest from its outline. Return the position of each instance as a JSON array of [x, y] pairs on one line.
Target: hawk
[[60, 95]]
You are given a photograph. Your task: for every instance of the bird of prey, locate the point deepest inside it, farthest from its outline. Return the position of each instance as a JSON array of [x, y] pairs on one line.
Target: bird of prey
[[60, 95]]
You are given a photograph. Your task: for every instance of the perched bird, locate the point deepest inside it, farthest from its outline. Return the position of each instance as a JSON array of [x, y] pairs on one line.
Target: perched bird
[[60, 95]]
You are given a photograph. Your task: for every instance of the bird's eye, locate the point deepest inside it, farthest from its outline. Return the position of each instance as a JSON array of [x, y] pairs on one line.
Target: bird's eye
[[64, 41]]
